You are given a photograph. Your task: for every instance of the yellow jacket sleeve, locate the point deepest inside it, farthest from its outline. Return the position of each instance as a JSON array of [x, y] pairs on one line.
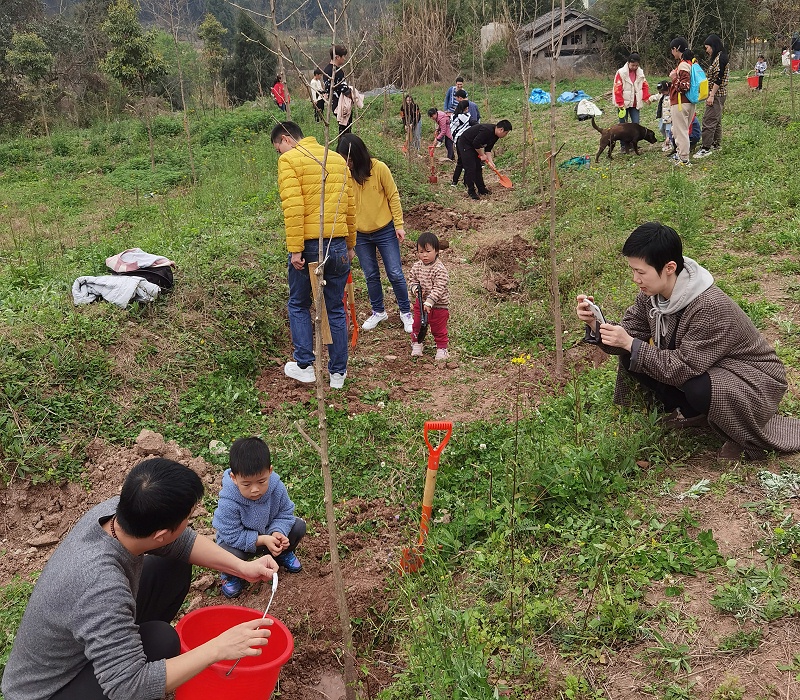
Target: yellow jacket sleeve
[[293, 204], [392, 194]]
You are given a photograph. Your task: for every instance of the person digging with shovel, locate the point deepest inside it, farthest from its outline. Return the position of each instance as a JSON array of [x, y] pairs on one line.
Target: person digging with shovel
[[475, 145], [428, 282]]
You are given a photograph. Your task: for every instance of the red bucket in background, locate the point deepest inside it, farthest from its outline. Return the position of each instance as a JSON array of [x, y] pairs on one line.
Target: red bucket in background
[[752, 81], [255, 676], [795, 64]]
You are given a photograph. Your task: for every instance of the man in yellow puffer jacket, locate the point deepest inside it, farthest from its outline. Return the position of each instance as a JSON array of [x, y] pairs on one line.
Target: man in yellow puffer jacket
[[300, 184]]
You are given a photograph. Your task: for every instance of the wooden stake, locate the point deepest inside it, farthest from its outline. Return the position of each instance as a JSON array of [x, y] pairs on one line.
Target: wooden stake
[[319, 303]]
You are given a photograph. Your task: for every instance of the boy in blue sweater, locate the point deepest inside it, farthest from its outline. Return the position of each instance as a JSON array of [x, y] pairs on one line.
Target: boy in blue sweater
[[255, 514]]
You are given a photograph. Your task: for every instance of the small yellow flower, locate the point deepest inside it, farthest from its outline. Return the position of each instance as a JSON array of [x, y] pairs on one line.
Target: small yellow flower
[[521, 360]]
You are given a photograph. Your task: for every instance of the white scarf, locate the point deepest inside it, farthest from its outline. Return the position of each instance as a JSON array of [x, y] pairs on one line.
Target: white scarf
[[690, 284]]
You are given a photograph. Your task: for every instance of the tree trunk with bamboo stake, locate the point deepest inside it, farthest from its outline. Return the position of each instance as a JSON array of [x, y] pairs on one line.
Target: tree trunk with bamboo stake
[[323, 447], [555, 290]]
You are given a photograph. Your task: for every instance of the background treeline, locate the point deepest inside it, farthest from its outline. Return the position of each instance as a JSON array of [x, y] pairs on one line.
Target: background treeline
[[209, 54]]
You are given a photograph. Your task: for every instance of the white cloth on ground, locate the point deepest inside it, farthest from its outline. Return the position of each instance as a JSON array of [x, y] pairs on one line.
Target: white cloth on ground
[[120, 290]]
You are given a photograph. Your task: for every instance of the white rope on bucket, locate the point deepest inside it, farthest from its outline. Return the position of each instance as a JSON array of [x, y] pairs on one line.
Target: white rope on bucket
[[274, 588]]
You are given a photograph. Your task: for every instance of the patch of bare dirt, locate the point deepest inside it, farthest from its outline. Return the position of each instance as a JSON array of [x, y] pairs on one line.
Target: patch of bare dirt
[[440, 220], [501, 261], [35, 518]]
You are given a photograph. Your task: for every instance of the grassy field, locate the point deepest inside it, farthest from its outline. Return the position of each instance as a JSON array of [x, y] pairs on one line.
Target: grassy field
[[554, 534]]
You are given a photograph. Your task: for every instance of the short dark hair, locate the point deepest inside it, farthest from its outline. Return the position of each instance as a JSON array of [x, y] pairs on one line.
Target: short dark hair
[[634, 58], [351, 146], [656, 244], [459, 79], [461, 107], [688, 55], [158, 494], [428, 239], [460, 93], [679, 42], [249, 457], [317, 71], [432, 111], [339, 50], [504, 124], [286, 129], [664, 85]]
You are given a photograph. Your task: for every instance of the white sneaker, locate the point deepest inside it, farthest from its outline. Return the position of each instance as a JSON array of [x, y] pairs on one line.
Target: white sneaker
[[374, 320], [702, 153], [416, 349], [441, 354], [293, 370], [337, 380], [408, 322]]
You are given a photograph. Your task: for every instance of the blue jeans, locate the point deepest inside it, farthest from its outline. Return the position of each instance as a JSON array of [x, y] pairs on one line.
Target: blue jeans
[[630, 113], [383, 241], [337, 268]]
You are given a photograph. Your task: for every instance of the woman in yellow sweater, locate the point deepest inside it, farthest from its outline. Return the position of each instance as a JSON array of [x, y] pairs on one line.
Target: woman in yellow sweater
[[379, 222]]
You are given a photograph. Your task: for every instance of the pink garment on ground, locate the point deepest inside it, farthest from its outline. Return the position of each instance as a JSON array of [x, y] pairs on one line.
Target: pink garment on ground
[[136, 259]]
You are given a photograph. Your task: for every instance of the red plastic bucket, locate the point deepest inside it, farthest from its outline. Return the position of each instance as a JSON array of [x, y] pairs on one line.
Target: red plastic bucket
[[752, 81], [796, 64], [255, 676]]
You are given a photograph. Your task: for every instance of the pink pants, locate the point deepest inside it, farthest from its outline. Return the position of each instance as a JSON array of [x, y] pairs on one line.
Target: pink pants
[[437, 325]]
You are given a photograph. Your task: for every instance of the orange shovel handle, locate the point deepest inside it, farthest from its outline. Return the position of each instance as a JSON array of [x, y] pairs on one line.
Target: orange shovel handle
[[430, 476]]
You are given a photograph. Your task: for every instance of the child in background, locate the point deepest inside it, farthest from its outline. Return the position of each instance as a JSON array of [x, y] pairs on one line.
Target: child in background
[[761, 68], [318, 96], [443, 134], [255, 515], [279, 93], [429, 275], [664, 117]]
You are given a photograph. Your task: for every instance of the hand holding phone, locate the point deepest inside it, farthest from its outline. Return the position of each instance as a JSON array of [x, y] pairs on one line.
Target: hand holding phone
[[595, 309]]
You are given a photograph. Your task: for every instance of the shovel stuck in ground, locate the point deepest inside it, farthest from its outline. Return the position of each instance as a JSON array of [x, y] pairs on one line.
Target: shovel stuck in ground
[[432, 177], [411, 559]]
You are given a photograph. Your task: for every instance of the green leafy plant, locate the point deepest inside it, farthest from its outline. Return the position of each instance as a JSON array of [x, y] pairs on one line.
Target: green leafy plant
[[741, 641], [754, 594], [729, 689]]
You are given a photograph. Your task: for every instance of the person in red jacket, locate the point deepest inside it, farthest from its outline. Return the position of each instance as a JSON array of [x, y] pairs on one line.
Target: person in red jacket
[[279, 93], [630, 92]]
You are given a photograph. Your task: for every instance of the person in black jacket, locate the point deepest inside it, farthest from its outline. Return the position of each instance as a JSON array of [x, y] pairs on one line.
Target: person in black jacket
[[475, 145]]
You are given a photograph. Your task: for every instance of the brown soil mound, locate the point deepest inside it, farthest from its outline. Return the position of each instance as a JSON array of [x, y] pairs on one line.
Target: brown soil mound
[[438, 219], [501, 263]]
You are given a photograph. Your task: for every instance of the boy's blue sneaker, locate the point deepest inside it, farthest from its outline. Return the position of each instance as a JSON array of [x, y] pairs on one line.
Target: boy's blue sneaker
[[290, 562], [231, 585]]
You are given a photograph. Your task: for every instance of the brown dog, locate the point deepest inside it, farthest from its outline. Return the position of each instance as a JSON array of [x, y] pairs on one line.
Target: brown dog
[[626, 132]]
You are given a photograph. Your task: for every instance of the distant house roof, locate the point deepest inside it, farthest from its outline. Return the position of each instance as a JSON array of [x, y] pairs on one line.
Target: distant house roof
[[537, 35]]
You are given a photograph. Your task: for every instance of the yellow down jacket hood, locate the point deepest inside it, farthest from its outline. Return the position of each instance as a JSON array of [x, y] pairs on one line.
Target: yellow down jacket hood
[[300, 184]]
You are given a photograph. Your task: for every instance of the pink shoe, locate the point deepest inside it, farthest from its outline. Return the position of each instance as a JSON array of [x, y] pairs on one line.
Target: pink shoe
[[416, 349], [441, 354]]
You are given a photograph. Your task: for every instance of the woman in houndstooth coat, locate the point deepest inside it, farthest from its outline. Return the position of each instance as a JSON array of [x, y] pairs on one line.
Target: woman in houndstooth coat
[[696, 350]]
